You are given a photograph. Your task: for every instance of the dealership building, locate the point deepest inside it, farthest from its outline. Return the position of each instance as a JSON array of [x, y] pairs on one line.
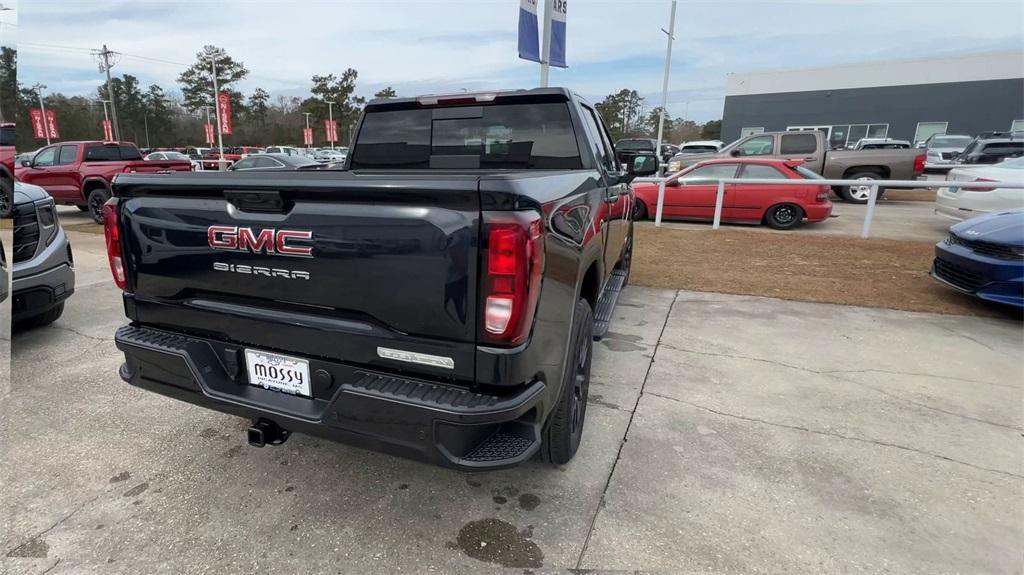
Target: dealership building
[[901, 99]]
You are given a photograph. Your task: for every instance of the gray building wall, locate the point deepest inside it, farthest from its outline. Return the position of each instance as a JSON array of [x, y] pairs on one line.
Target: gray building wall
[[969, 107]]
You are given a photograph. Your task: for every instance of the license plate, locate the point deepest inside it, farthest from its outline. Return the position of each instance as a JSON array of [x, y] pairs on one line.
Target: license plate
[[278, 372]]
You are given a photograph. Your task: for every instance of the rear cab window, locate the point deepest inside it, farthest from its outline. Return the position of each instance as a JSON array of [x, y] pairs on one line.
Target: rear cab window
[[110, 153], [7, 136], [491, 136], [798, 144]]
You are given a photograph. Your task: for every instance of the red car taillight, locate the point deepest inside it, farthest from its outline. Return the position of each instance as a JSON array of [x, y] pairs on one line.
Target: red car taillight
[[974, 189], [511, 282], [822, 194], [919, 164], [112, 233]]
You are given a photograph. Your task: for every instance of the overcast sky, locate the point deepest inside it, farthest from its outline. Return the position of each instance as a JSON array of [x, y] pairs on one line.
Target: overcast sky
[[446, 45]]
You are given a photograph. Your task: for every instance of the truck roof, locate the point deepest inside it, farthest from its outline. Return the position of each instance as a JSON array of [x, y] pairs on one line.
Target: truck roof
[[457, 98]]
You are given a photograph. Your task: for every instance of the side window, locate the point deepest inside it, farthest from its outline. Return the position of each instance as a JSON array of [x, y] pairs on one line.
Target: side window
[[707, 175], [66, 155], [46, 157], [594, 135], [606, 142], [798, 144], [245, 164], [759, 146], [761, 172]]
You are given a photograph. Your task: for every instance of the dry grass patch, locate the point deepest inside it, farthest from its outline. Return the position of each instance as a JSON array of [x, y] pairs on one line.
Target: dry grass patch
[[828, 269]]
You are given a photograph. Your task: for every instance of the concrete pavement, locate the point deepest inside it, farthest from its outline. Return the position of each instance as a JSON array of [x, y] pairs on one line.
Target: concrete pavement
[[724, 434]]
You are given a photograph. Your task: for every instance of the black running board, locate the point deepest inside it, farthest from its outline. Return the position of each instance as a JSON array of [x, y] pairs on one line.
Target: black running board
[[606, 303]]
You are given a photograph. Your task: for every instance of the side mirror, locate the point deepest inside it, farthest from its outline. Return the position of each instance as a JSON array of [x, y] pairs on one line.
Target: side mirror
[[643, 166], [736, 153], [26, 163]]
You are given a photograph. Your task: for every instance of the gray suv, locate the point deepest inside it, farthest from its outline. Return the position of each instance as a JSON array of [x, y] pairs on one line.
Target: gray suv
[[43, 270]]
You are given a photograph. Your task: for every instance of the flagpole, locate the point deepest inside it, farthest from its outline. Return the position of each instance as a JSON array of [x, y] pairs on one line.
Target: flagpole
[[545, 43]]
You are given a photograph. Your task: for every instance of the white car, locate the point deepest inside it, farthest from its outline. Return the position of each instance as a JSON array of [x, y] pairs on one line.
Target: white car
[[287, 150], [960, 202], [700, 147], [196, 165]]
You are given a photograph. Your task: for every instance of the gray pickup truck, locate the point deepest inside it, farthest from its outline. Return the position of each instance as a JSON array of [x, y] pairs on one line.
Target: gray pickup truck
[[812, 148]]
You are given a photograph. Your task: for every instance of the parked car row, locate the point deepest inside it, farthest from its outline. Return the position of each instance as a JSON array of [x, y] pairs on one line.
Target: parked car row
[[812, 147], [944, 151]]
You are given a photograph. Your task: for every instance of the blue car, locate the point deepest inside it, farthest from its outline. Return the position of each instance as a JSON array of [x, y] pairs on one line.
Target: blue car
[[984, 257]]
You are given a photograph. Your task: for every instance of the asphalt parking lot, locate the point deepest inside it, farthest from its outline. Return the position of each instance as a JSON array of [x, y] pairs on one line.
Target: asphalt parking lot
[[724, 434]]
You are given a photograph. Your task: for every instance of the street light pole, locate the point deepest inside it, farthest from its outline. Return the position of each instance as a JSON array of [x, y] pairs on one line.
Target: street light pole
[[330, 116], [664, 82], [145, 120], [216, 109], [42, 109]]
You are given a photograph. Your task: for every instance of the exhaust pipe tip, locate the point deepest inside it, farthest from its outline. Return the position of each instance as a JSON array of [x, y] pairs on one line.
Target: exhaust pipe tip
[[265, 432]]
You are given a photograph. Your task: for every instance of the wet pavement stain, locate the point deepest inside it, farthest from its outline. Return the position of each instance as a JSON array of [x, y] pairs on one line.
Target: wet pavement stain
[[403, 486], [529, 501], [619, 345], [500, 500], [233, 451], [473, 482], [507, 491], [623, 337], [137, 490], [123, 476], [598, 399], [290, 488], [495, 541], [36, 549], [208, 433]]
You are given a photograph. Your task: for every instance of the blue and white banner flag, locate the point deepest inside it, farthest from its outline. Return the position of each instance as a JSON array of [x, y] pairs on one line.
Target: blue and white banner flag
[[558, 12], [529, 45]]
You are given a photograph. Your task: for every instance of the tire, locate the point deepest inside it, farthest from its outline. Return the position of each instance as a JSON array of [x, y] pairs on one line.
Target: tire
[[562, 433], [82, 207], [6, 197], [639, 211], [44, 319], [97, 198], [784, 216], [859, 194]]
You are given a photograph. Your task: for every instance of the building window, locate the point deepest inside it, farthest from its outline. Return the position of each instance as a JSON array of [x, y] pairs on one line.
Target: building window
[[744, 132], [926, 130]]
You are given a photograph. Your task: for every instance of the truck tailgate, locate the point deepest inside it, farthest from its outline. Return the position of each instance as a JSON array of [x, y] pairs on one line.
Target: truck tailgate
[[157, 166], [367, 264]]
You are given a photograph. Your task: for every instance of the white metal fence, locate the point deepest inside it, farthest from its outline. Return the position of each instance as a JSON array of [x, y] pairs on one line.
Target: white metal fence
[[872, 197]]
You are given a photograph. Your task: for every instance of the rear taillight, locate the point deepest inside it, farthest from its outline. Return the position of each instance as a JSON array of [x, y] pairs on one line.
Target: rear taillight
[[112, 233], [511, 282], [128, 170], [822, 194], [919, 164], [976, 189]]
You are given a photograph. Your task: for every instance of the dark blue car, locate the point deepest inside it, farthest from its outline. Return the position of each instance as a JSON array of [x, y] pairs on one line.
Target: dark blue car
[[984, 257]]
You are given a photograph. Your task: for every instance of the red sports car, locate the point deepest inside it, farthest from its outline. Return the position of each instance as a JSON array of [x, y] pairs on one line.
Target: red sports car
[[692, 195]]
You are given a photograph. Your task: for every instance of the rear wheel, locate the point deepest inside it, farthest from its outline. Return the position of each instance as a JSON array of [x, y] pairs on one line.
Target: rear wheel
[[639, 211], [784, 216], [46, 318], [96, 199], [859, 194], [561, 436]]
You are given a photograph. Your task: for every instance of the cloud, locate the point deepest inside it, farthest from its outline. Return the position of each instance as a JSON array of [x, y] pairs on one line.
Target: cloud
[[432, 46]]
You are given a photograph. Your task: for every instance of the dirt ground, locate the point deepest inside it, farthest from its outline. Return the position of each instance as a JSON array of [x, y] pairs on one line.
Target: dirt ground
[[828, 269], [921, 195]]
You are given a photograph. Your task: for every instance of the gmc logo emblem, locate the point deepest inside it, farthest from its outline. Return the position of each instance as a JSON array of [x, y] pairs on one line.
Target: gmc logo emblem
[[268, 241]]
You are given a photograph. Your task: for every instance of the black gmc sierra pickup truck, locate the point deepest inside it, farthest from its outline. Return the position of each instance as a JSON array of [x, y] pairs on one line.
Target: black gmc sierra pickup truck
[[437, 299]]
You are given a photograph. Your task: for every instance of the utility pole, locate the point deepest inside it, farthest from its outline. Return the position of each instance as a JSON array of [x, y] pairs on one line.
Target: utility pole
[[307, 114], [105, 66], [42, 108], [545, 43], [330, 116], [145, 120], [216, 109], [664, 82]]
